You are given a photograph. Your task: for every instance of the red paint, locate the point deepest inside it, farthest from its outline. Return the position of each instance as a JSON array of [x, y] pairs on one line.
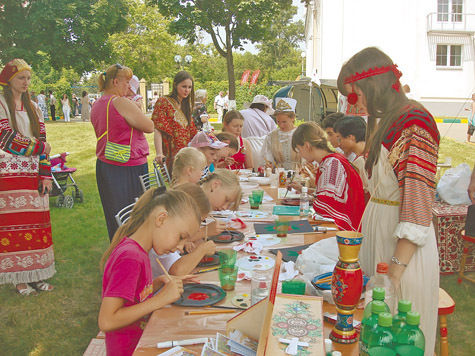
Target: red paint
[[207, 259], [253, 257], [224, 237], [198, 296]]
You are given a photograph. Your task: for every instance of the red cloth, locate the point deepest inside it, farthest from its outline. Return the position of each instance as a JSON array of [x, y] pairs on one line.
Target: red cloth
[[339, 192], [127, 275], [176, 131], [239, 157]]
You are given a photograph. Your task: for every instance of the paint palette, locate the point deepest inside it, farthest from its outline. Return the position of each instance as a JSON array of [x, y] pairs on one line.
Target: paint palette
[[227, 236], [254, 262], [252, 214], [209, 261], [242, 300], [200, 295], [265, 239]]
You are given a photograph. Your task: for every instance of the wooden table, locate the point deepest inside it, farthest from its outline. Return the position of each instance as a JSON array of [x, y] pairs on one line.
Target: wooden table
[[171, 323]]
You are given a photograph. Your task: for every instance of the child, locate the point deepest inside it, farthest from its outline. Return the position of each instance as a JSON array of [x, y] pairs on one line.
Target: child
[[188, 166], [226, 160], [339, 191], [209, 145], [232, 123], [277, 145], [328, 124], [222, 189], [161, 222]]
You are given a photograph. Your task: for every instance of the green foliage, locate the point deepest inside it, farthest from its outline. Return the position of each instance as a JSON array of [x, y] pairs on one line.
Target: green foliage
[[72, 33]]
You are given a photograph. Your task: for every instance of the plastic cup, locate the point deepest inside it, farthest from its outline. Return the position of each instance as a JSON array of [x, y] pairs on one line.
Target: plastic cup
[[258, 195], [227, 257], [282, 227], [261, 281], [227, 277], [293, 287], [254, 203]]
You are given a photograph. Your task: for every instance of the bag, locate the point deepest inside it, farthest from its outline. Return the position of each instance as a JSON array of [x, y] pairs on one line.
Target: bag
[[453, 185], [114, 151]]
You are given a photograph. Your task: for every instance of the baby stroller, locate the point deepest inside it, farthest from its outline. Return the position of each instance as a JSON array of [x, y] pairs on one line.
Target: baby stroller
[[61, 174]]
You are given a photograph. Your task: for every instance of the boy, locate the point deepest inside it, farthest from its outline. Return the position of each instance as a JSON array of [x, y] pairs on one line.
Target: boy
[[328, 124]]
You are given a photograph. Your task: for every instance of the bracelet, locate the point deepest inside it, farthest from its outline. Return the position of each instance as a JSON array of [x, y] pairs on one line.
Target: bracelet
[[396, 261]]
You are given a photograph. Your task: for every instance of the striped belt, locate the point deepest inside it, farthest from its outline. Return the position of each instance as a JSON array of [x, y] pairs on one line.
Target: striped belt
[[385, 202]]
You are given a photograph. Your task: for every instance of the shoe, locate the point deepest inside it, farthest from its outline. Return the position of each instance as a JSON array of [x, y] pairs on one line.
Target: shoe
[[28, 290], [42, 286]]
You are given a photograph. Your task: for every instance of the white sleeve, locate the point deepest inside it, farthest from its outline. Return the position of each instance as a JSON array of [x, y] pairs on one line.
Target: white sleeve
[[267, 149]]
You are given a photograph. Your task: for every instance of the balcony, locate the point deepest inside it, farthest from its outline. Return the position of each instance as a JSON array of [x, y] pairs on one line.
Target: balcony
[[451, 23]]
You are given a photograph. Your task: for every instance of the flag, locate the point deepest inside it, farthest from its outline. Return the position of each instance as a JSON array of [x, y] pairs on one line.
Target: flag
[[254, 77], [245, 76]]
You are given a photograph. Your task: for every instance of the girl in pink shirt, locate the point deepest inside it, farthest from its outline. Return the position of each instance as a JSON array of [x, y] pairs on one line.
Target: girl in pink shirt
[[162, 221]]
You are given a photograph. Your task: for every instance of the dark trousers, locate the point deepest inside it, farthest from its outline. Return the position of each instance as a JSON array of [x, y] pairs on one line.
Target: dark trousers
[[118, 187], [53, 112]]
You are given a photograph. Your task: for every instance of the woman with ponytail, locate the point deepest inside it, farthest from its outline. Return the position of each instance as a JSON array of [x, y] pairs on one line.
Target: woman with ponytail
[[26, 246], [160, 221], [118, 124]]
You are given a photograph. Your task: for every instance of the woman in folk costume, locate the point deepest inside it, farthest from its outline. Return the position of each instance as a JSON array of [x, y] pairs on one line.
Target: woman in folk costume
[[26, 246], [401, 164], [278, 144]]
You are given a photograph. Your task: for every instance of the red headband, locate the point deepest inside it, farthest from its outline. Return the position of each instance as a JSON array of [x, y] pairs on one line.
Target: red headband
[[353, 97]]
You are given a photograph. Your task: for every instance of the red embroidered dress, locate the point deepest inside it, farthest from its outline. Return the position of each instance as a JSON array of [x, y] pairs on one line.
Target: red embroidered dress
[[175, 129], [239, 157], [339, 192], [26, 247]]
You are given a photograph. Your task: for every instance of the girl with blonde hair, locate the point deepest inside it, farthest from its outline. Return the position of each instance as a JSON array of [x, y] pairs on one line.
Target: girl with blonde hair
[[188, 166]]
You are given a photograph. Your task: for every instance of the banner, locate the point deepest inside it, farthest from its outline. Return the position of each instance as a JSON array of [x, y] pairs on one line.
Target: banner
[[245, 76], [254, 77]]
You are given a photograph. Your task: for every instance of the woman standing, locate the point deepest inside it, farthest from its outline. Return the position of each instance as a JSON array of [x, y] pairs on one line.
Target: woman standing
[[85, 106], [122, 148], [42, 105], [174, 126], [66, 108], [402, 164], [26, 246]]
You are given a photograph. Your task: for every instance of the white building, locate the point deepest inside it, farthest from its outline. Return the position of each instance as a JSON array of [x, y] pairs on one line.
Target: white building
[[432, 42]]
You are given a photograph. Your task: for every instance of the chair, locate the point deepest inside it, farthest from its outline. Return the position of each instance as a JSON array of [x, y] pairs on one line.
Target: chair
[[124, 214], [161, 172], [149, 180], [446, 307], [467, 240]]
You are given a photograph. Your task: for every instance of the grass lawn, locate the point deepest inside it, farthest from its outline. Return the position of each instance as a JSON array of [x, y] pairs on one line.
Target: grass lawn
[[63, 322]]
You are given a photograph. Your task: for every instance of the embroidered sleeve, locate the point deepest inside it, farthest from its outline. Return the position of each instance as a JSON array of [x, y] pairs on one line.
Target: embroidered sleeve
[[13, 142], [162, 116]]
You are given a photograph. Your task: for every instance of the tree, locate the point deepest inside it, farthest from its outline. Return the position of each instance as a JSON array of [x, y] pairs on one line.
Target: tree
[[73, 33], [230, 23]]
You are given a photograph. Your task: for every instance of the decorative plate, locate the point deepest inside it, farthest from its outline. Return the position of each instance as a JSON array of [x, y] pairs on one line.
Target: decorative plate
[[254, 262], [265, 239], [209, 261], [227, 236], [242, 300], [200, 295]]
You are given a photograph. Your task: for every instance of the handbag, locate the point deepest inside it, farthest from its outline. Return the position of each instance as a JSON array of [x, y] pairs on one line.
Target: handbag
[[115, 151]]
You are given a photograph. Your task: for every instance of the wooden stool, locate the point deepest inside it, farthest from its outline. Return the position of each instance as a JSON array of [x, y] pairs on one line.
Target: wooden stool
[[467, 240], [446, 306]]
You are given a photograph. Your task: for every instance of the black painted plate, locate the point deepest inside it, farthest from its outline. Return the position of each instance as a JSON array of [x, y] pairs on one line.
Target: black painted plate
[[200, 295], [227, 236], [209, 261]]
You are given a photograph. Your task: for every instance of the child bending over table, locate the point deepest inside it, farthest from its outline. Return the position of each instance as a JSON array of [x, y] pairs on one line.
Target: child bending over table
[[188, 166], [226, 153], [161, 222], [210, 146]]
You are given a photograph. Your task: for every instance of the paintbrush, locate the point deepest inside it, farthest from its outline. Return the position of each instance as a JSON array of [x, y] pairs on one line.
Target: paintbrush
[[225, 307], [208, 311], [291, 180], [208, 269], [164, 269]]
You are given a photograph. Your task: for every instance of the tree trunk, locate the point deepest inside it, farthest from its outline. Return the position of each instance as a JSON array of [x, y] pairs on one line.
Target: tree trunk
[[230, 68]]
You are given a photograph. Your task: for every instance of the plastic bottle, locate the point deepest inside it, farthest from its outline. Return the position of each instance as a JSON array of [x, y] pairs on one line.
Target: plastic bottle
[[399, 320], [368, 324], [304, 202], [378, 293], [328, 347], [381, 279], [381, 340], [411, 340]]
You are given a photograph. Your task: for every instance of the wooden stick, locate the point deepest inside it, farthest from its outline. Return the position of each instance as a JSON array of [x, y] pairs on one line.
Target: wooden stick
[[208, 269], [291, 180], [207, 311], [164, 269], [225, 307]]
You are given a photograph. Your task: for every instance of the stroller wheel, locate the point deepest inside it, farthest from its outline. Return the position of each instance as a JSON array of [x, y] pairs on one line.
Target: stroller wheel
[[60, 201], [68, 201], [78, 196]]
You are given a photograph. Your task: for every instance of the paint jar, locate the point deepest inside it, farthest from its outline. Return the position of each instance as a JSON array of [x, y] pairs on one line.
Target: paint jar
[[260, 284], [227, 277]]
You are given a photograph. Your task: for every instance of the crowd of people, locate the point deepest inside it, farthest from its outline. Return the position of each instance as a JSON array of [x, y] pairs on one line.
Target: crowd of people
[[70, 108], [376, 176]]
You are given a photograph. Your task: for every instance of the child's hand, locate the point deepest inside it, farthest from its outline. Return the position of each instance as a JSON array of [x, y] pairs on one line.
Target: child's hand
[[229, 161], [209, 248], [171, 291], [189, 246], [220, 226], [297, 186]]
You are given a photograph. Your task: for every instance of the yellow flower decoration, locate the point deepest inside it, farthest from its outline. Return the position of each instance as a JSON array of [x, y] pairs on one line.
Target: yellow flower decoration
[[45, 239], [28, 236], [5, 241]]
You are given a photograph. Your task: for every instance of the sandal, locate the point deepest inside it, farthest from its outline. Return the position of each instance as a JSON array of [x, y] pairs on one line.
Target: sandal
[[26, 290], [42, 286]]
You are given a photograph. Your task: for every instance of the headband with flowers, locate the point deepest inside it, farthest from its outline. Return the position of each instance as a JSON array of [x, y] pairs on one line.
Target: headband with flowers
[[11, 69]]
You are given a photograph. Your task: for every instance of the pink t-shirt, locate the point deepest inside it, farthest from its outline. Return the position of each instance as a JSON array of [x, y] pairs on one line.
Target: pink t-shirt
[[127, 275]]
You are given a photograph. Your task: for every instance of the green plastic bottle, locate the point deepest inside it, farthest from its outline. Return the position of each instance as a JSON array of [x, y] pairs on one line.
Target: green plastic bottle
[[378, 294], [381, 340], [368, 324], [399, 320], [411, 340]]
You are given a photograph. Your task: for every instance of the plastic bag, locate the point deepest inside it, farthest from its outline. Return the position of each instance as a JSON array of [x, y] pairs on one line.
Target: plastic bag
[[453, 185]]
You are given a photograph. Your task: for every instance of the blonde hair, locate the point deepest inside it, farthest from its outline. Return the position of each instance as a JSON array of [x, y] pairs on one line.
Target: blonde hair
[[176, 203], [313, 134], [187, 157], [229, 180], [105, 79], [198, 194]]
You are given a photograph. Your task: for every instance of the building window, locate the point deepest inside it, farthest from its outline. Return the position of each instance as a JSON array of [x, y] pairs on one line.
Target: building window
[[449, 10], [449, 56]]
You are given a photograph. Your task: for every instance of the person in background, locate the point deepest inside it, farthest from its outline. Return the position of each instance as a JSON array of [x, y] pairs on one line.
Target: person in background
[[174, 126], [471, 120], [328, 124], [226, 103], [75, 103], [210, 146], [66, 107], [118, 120], [402, 151], [42, 104], [232, 123], [257, 119], [219, 105], [52, 105], [200, 114], [26, 249], [85, 108], [278, 144], [225, 154]]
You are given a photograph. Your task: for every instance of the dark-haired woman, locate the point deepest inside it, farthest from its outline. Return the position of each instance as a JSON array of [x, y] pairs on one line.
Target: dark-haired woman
[[85, 109], [174, 126], [26, 246], [402, 163]]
